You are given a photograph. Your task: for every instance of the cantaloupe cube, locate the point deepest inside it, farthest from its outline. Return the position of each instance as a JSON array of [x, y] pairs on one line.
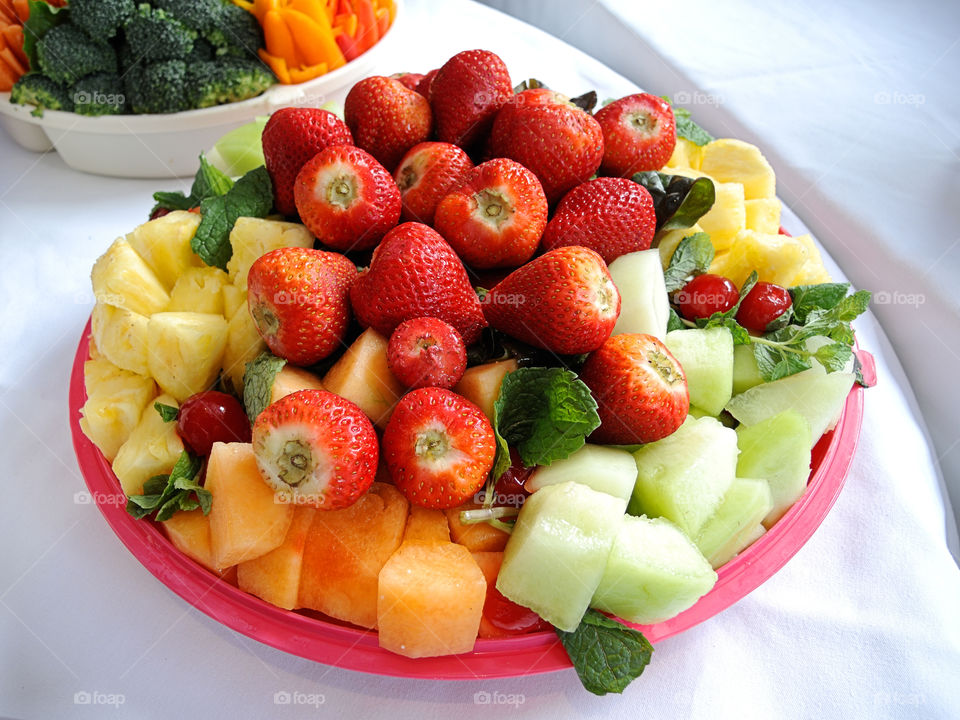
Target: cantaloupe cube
[[430, 600], [246, 520], [426, 525], [763, 215], [152, 449], [164, 243], [363, 376], [253, 237], [123, 279], [345, 551], [476, 537], [291, 379], [189, 532], [730, 160], [667, 241], [727, 217], [275, 577], [199, 290], [121, 337], [244, 344], [489, 563], [481, 383]]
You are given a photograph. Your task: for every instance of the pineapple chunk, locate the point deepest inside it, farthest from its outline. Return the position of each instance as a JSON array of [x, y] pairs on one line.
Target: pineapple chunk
[[152, 449], [252, 237], [233, 298], [123, 279], [667, 240], [121, 337], [185, 351], [685, 155], [244, 344], [730, 160], [92, 350], [199, 290], [763, 215], [777, 258], [813, 270], [115, 401], [727, 217], [165, 244]]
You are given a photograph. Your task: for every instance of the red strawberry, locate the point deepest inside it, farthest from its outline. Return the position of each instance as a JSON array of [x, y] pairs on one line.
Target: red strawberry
[[423, 87], [346, 198], [387, 118], [408, 80], [639, 133], [415, 273], [613, 216], [427, 173], [495, 217], [640, 389], [426, 352], [466, 93], [544, 131], [563, 301], [290, 138], [298, 299], [316, 448], [439, 447]]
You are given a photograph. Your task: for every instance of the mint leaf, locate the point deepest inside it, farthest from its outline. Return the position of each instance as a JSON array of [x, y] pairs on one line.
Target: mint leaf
[[606, 654], [677, 200], [501, 462], [167, 412], [586, 102], [251, 196], [258, 382], [546, 413], [674, 322], [43, 16], [824, 296], [687, 128], [834, 357], [693, 256], [208, 182], [166, 494]]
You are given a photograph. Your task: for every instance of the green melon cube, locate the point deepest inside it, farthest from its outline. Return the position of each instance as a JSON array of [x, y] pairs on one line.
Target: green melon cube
[[732, 526], [605, 469], [706, 357], [746, 374]]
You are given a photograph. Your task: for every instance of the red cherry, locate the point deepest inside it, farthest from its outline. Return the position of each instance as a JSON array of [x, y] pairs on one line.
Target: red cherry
[[506, 615], [705, 295], [509, 490], [762, 305], [209, 417]]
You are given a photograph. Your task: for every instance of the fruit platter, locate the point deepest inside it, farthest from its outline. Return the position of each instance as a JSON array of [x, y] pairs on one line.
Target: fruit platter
[[473, 380]]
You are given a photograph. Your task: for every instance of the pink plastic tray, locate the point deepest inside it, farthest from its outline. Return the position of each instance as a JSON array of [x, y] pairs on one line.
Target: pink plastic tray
[[356, 649]]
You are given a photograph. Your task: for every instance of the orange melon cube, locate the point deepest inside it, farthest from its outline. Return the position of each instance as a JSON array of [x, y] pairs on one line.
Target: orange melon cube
[[489, 563], [275, 577], [431, 600], [189, 532], [481, 384], [477, 536], [246, 521], [427, 525], [363, 376], [290, 379], [345, 551]]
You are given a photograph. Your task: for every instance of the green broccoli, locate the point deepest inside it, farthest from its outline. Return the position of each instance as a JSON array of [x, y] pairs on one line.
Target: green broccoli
[[66, 53], [37, 89], [202, 50], [99, 94], [159, 87], [155, 35], [101, 18], [236, 32], [199, 15], [226, 80]]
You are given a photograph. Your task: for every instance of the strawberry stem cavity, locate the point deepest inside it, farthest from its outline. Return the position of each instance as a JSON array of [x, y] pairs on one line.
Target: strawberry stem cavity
[[493, 207], [295, 462], [342, 191], [432, 444]]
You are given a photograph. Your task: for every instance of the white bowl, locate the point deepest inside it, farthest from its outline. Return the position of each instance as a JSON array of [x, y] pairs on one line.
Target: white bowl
[[163, 146]]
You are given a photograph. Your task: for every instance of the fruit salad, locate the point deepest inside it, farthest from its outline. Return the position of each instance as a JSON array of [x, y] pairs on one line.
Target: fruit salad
[[455, 368]]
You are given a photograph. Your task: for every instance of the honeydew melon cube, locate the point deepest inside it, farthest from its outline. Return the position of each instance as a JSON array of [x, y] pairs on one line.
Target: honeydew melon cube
[[746, 374], [558, 550], [605, 469], [778, 450], [645, 307], [684, 476], [706, 356], [734, 523], [653, 572]]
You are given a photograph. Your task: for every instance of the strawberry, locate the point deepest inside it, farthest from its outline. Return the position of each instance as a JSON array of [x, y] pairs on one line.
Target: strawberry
[[426, 352], [387, 118], [439, 448], [290, 138], [639, 133], [543, 130], [640, 389], [346, 198], [495, 217], [563, 301], [466, 93], [613, 216], [428, 172], [408, 80], [316, 448], [423, 87], [415, 273], [298, 299]]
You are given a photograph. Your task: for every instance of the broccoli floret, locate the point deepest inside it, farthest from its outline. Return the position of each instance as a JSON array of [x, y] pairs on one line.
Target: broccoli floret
[[199, 15], [236, 32], [37, 89], [66, 53], [101, 18], [158, 87], [155, 35], [99, 94], [226, 80], [202, 50]]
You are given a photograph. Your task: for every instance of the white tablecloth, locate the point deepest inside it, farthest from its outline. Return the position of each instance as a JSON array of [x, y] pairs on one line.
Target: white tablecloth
[[861, 623]]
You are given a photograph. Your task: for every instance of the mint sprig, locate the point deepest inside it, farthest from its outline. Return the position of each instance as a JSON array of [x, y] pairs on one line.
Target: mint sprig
[[208, 182], [163, 495], [606, 654], [678, 201], [692, 256], [168, 412], [258, 382], [688, 129], [251, 196]]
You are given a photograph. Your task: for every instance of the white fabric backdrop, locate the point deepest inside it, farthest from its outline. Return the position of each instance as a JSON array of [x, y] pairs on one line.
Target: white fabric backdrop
[[861, 623]]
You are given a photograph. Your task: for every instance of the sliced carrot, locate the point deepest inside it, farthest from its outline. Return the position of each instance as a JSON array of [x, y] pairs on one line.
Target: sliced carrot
[[13, 35], [278, 38], [22, 8], [7, 77], [367, 34], [277, 64], [6, 54]]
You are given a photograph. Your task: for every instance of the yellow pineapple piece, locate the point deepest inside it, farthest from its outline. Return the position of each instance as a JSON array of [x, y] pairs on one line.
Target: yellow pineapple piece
[[727, 217], [813, 270], [776, 258], [685, 155], [123, 279], [121, 337], [152, 449], [92, 350], [199, 290], [164, 244], [667, 240], [729, 160], [115, 401], [185, 351], [252, 237], [233, 298], [244, 344], [763, 215]]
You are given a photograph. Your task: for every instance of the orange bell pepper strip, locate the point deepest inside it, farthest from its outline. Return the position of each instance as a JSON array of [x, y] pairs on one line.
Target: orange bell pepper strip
[[278, 38], [302, 74], [367, 34], [277, 64]]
